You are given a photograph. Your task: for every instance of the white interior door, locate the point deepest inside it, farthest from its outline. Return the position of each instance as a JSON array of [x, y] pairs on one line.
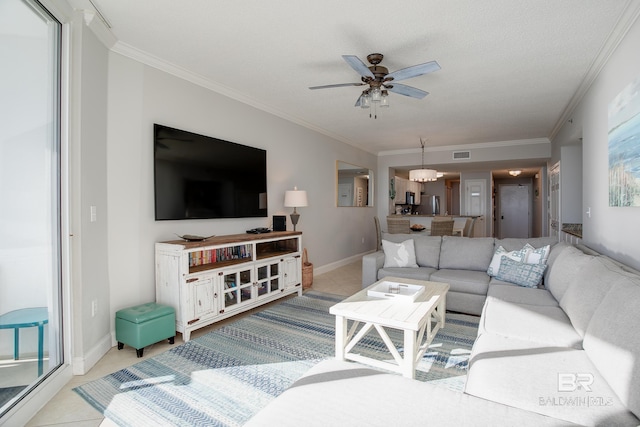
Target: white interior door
[[515, 207], [476, 204]]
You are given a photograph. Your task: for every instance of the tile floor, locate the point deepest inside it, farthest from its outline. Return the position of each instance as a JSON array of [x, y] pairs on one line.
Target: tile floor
[[69, 409]]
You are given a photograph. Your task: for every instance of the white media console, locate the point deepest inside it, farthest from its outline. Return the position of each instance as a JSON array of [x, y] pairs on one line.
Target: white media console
[[211, 280]]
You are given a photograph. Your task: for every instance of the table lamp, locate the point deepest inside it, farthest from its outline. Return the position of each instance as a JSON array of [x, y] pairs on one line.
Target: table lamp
[[295, 199]]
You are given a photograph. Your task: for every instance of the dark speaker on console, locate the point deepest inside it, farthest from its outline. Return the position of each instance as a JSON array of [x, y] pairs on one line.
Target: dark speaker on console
[[279, 223]]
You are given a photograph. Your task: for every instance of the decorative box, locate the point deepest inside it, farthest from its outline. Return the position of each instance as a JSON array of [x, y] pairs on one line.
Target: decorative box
[[395, 290]]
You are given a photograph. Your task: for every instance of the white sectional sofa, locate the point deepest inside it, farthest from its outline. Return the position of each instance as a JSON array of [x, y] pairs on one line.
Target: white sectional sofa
[[563, 354]]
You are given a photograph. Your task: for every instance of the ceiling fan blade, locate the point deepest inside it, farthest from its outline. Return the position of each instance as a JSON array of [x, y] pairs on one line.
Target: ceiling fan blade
[[336, 85], [357, 64], [414, 71], [407, 91]]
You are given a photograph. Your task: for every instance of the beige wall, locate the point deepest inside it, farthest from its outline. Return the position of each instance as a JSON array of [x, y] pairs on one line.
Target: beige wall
[[139, 96]]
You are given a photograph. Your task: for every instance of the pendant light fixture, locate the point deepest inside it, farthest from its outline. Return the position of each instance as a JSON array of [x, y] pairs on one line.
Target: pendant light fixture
[[423, 175]]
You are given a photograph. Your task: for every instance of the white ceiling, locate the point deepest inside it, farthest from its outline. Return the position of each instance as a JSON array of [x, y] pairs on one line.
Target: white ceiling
[[510, 69]]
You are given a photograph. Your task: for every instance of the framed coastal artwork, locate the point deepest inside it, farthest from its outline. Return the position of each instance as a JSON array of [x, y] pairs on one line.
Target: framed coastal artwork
[[624, 147]]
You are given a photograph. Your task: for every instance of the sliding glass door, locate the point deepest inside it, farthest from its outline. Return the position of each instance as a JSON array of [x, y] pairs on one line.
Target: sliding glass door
[[30, 218]]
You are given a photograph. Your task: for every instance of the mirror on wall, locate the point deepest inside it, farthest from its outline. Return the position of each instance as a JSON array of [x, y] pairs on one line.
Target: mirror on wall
[[354, 185]]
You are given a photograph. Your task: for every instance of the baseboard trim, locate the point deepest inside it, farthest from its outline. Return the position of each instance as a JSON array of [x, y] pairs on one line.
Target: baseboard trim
[[81, 365], [340, 263]]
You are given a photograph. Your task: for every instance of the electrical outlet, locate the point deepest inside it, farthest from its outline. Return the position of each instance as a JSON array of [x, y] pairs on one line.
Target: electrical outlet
[[94, 307], [363, 240]]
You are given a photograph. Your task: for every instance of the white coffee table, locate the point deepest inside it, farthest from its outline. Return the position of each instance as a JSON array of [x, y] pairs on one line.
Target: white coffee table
[[420, 320]]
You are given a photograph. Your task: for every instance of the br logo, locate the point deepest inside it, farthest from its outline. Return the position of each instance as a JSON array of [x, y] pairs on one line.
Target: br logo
[[573, 382]]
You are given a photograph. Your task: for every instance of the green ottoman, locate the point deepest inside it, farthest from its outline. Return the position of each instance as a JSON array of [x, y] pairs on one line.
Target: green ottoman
[[145, 324]]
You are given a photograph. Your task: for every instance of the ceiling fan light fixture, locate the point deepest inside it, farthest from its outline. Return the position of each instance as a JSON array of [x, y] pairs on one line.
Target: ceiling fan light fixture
[[376, 94], [377, 77], [365, 101], [384, 101], [515, 172]]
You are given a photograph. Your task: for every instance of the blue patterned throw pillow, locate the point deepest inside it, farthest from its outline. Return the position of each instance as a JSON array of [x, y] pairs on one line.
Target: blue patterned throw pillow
[[501, 253], [520, 273]]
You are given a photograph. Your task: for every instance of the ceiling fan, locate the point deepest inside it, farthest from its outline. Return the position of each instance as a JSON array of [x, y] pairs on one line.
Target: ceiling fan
[[379, 80]]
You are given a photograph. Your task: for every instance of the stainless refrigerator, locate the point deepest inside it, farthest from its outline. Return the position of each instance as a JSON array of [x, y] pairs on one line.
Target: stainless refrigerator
[[429, 204]]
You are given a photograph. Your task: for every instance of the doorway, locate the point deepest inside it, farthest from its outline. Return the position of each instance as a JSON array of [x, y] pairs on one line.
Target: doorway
[[515, 210]]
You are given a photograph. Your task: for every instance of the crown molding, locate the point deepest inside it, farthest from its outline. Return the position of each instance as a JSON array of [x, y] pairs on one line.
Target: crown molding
[[469, 147], [197, 79], [627, 19]]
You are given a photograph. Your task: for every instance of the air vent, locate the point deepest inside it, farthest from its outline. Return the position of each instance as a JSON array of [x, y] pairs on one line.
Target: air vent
[[461, 155]]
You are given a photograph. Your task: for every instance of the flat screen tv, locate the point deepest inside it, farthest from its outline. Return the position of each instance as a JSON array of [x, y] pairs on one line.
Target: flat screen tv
[[197, 176]]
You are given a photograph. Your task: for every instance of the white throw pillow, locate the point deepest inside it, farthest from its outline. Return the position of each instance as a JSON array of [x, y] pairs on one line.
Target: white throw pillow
[[520, 255], [399, 254], [537, 256]]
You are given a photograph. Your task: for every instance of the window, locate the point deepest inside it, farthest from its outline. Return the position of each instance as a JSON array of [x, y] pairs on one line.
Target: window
[[30, 218]]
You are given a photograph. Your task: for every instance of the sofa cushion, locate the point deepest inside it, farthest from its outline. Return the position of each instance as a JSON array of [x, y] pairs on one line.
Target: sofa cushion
[[548, 325], [519, 295], [587, 289], [336, 393], [612, 340], [517, 255], [465, 253], [420, 273], [427, 247], [472, 282], [463, 302], [542, 379], [428, 250], [521, 273], [399, 254], [563, 269]]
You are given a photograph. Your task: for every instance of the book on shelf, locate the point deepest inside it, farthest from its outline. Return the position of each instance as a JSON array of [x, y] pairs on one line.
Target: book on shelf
[[211, 256]]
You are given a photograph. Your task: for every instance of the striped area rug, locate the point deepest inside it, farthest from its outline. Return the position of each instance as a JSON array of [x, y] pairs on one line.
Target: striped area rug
[[227, 375]]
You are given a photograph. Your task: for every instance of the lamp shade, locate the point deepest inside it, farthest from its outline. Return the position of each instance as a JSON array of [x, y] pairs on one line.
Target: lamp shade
[[295, 198], [423, 175]]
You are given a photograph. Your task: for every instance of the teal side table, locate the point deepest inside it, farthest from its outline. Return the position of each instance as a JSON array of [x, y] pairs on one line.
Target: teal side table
[[26, 318]]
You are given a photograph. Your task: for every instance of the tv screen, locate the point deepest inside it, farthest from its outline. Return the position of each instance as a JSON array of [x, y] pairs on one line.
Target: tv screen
[[197, 176]]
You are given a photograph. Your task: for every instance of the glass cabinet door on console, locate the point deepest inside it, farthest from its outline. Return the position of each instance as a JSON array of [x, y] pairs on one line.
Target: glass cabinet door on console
[[237, 287], [268, 278]]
